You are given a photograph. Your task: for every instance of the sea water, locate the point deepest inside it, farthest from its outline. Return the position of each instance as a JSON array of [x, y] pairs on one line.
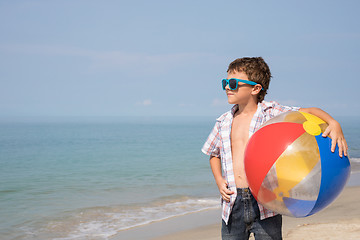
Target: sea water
[[90, 178]]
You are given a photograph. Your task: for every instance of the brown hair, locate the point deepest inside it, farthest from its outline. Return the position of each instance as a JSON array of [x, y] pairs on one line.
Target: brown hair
[[256, 70]]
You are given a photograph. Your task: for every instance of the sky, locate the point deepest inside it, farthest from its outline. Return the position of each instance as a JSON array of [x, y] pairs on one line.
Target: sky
[[167, 58]]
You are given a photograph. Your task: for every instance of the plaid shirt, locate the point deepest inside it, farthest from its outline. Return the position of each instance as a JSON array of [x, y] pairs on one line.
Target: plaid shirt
[[218, 145]]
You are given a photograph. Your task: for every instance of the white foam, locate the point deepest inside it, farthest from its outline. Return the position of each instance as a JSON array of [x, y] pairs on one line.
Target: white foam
[[356, 160], [104, 222], [355, 165], [162, 212]]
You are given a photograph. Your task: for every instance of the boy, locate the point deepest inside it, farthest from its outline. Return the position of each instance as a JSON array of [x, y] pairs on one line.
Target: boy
[[246, 85]]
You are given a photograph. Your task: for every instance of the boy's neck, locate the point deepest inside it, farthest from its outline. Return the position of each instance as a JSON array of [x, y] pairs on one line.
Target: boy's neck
[[247, 109]]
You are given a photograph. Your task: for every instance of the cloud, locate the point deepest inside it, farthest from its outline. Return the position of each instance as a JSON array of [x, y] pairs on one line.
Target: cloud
[[146, 102], [216, 102], [103, 60], [54, 50]]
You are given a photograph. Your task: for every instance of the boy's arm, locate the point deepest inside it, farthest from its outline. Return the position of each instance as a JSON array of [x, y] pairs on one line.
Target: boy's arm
[[334, 130], [215, 164]]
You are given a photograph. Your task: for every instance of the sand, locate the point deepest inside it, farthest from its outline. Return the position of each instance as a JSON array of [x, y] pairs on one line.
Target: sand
[[340, 220]]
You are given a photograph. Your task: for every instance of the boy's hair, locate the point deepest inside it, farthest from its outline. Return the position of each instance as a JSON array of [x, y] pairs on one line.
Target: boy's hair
[[256, 70]]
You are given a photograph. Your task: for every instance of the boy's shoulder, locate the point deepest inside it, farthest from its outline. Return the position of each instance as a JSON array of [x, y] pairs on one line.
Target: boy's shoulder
[[265, 105], [264, 108], [273, 108]]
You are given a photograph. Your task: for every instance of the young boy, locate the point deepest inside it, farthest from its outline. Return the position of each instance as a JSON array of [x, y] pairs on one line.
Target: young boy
[[246, 85]]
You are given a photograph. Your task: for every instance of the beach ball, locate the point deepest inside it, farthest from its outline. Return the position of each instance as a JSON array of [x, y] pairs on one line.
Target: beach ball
[[290, 167]]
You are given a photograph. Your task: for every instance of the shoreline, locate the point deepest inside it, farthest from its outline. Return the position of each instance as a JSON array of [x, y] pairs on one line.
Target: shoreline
[[171, 226], [343, 215]]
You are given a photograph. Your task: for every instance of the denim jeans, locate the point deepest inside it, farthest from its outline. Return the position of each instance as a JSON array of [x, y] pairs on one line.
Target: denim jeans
[[245, 219]]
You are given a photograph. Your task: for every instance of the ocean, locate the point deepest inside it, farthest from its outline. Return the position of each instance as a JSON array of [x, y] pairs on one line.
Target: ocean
[[89, 178]]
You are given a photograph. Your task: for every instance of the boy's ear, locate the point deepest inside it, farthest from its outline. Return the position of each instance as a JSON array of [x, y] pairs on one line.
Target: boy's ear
[[256, 89]]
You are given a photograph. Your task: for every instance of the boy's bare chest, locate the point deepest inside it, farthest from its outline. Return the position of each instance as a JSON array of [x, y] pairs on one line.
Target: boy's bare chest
[[240, 131], [239, 138]]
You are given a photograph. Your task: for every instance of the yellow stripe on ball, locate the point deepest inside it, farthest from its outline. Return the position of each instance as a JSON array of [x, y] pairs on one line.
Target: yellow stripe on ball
[[312, 128]]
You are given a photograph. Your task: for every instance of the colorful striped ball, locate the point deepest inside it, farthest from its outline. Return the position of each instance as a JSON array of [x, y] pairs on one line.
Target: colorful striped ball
[[290, 167]]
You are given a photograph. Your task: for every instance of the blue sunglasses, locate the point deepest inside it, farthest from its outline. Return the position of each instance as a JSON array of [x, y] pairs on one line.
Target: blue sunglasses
[[233, 83]]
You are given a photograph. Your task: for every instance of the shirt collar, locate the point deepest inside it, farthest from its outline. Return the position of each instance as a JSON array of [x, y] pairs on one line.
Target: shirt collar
[[234, 109]]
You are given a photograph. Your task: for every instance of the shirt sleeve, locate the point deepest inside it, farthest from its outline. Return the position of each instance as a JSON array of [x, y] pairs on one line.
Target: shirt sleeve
[[213, 144]]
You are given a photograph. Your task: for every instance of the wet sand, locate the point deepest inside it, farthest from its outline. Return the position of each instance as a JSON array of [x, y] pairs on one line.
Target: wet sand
[[340, 220]]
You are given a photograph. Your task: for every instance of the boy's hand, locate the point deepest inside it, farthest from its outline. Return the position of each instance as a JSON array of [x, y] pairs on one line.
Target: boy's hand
[[224, 191], [335, 132]]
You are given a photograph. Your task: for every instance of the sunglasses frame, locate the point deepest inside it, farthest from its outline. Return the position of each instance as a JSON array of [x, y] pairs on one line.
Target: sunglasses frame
[[237, 81]]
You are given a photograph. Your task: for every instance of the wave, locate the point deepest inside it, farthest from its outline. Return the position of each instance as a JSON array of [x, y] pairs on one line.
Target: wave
[[355, 165], [104, 222]]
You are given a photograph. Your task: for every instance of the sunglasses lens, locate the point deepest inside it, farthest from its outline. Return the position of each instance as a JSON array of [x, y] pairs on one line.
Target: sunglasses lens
[[224, 84], [232, 84]]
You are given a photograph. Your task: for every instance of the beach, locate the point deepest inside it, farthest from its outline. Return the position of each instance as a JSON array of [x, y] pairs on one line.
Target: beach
[[127, 179], [340, 220]]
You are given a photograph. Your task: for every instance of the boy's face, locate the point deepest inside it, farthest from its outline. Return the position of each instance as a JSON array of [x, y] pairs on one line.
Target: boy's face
[[243, 93]]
